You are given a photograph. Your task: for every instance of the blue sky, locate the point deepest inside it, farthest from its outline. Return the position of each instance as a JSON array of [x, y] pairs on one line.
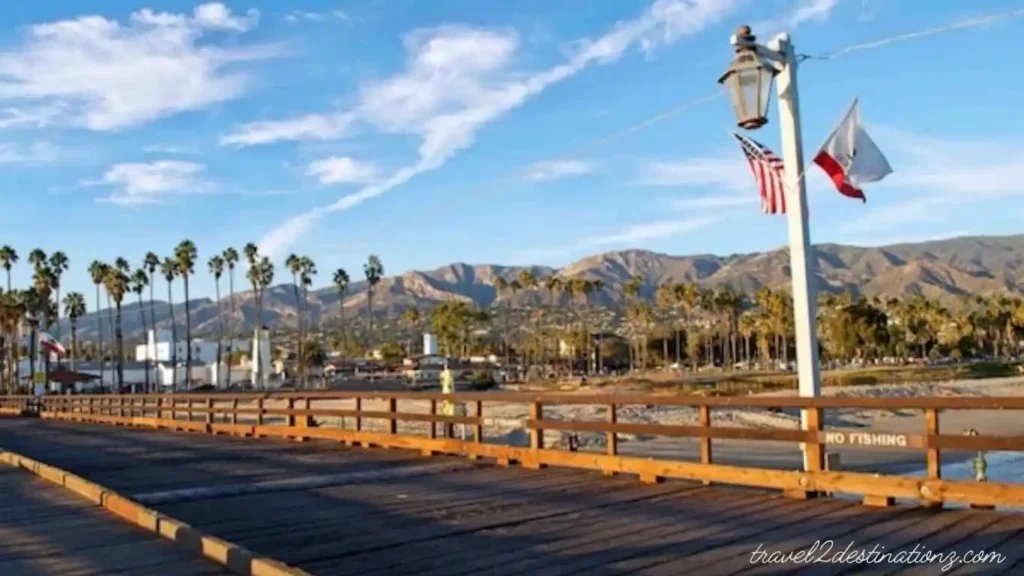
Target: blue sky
[[456, 130]]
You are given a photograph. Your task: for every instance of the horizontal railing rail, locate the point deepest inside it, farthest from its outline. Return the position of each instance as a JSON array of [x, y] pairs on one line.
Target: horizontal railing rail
[[374, 418]]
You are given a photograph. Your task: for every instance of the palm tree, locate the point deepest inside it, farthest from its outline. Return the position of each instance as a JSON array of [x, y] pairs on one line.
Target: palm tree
[[411, 317], [116, 283], [58, 265], [216, 265], [169, 269], [341, 282], [631, 291], [501, 287], [185, 253], [151, 263], [373, 269], [35, 303], [12, 313], [251, 253], [8, 258], [230, 260], [294, 265], [97, 271], [260, 275], [307, 269], [37, 258], [74, 308], [137, 283]]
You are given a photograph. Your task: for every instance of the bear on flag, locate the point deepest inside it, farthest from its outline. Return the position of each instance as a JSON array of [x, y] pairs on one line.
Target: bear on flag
[[851, 158]]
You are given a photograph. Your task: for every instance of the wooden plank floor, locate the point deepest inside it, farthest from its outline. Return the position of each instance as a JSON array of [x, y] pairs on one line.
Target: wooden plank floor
[[46, 530], [349, 511]]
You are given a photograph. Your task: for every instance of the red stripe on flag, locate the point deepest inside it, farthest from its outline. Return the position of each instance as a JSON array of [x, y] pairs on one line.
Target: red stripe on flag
[[838, 176]]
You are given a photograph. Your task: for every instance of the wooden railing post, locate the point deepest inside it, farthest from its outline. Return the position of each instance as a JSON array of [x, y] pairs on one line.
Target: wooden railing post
[[303, 421], [814, 456], [209, 410], [359, 410], [536, 436], [704, 419], [611, 439], [478, 430], [934, 456], [392, 422], [234, 411], [290, 419], [433, 423]]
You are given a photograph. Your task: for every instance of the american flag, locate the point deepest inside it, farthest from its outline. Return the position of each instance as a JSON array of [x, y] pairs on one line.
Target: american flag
[[769, 173]]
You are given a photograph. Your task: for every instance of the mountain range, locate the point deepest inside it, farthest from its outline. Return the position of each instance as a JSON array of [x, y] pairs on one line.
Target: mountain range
[[941, 269]]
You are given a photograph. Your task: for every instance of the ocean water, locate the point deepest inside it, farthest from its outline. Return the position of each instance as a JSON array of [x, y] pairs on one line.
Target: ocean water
[[1002, 467]]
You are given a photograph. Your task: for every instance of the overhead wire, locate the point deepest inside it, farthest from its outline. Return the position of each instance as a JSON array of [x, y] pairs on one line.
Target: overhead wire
[[697, 102]]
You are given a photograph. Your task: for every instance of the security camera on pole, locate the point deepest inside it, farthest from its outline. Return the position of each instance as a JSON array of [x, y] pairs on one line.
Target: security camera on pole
[[748, 82]]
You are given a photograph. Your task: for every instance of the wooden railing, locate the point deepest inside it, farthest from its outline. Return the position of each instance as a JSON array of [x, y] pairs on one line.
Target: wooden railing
[[414, 420]]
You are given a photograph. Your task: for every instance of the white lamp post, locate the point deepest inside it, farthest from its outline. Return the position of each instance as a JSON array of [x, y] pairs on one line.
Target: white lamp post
[[748, 83]]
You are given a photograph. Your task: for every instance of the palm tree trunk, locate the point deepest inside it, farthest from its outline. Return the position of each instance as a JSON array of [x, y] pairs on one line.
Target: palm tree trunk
[[664, 352], [231, 318], [679, 358], [220, 338], [152, 323], [99, 330], [120, 349], [369, 313], [142, 314], [188, 339], [32, 356], [259, 337], [174, 339], [113, 345], [74, 346], [57, 292]]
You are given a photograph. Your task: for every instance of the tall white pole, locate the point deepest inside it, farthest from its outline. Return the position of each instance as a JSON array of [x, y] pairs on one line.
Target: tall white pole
[[800, 249]]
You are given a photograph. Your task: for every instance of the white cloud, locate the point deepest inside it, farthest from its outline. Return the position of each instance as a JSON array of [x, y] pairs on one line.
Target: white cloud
[[149, 183], [217, 16], [102, 74], [918, 239], [296, 16], [341, 170], [167, 149], [726, 172], [555, 169], [804, 11], [457, 79], [637, 233], [311, 127], [947, 173], [32, 155], [723, 201]]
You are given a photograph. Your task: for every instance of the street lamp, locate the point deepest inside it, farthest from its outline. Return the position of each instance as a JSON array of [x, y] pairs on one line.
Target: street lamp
[[748, 82]]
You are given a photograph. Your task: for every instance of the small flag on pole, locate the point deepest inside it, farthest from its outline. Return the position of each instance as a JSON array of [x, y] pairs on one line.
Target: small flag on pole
[[51, 345], [768, 172], [851, 158]]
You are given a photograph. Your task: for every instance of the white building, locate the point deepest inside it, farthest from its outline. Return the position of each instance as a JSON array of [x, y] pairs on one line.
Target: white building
[[159, 347], [261, 357], [429, 345]]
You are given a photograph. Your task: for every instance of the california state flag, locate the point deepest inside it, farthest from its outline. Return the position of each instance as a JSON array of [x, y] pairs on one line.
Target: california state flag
[[51, 345], [851, 158]]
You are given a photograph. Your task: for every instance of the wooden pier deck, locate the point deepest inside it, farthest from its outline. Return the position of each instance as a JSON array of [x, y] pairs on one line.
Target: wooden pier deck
[[45, 530], [331, 509]]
